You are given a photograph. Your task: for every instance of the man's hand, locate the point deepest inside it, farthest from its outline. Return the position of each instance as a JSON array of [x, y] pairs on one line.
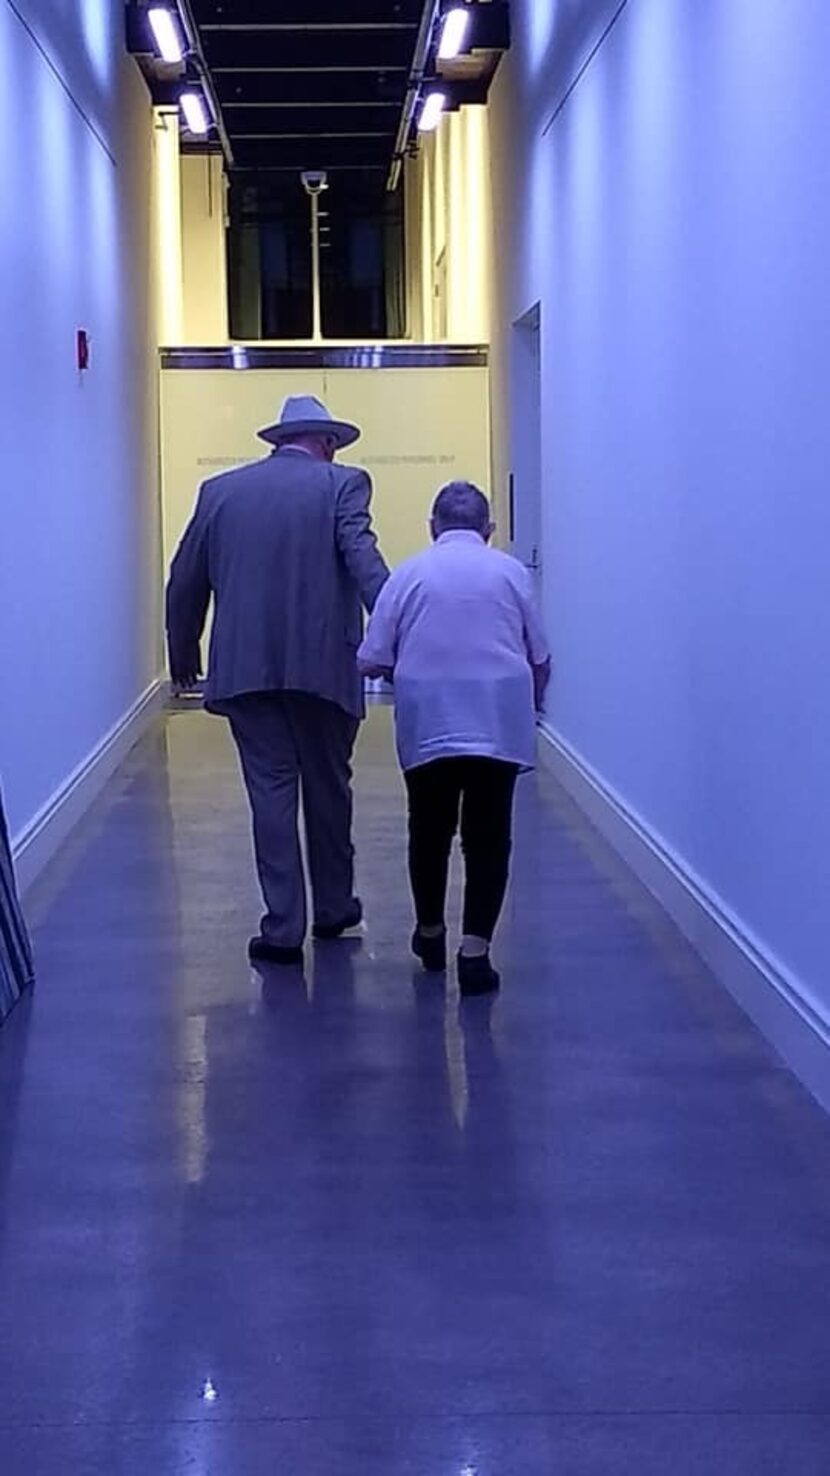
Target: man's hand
[[375, 673], [185, 678]]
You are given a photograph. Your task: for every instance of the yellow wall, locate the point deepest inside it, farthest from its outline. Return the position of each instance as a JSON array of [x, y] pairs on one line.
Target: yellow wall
[[205, 306], [189, 216], [448, 235], [421, 428], [449, 230], [167, 219]]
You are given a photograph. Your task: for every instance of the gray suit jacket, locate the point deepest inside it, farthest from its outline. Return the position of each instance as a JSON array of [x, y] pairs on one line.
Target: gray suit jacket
[[286, 548]]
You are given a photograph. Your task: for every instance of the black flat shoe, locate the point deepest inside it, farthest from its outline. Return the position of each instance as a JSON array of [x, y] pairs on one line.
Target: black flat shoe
[[476, 975], [327, 932], [431, 951], [261, 951]]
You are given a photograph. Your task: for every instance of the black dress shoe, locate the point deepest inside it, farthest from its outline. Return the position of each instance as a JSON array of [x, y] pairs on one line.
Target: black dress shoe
[[431, 951], [327, 932], [261, 951], [476, 974]]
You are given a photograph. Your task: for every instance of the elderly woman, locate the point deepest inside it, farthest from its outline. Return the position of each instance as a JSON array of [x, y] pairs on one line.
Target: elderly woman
[[457, 631]]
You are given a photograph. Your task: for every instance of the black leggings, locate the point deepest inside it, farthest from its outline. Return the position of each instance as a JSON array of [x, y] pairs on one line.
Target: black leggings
[[480, 790]]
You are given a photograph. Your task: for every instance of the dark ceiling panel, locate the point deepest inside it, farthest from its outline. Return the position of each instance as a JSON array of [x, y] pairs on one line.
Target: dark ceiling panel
[[314, 118], [317, 152], [310, 88], [321, 83], [310, 84], [305, 13], [337, 50]]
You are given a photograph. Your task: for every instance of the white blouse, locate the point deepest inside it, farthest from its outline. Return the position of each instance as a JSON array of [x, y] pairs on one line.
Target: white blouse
[[458, 627]]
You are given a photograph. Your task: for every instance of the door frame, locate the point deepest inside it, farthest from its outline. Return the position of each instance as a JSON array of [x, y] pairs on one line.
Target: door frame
[[525, 505]]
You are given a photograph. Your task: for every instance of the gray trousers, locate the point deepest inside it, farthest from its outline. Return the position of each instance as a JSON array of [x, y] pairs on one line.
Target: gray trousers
[[291, 743]]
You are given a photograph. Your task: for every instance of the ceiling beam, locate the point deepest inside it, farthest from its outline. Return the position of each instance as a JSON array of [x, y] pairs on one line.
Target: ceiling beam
[[199, 61], [426, 30]]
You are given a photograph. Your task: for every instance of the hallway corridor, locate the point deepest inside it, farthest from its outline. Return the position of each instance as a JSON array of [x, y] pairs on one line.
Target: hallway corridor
[[347, 1228]]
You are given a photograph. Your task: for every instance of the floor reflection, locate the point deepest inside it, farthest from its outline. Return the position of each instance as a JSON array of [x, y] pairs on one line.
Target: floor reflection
[[334, 1220]]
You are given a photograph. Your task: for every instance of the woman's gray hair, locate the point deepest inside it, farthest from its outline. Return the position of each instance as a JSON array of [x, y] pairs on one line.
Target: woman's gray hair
[[461, 505]]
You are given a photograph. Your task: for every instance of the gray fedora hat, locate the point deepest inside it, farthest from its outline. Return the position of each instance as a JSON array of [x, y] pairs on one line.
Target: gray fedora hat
[[305, 415]]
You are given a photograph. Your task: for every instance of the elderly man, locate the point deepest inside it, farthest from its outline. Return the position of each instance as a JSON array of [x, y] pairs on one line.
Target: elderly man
[[285, 546], [457, 630]]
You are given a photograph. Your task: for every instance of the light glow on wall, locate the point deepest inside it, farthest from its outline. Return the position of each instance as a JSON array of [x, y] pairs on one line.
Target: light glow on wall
[[52, 201], [540, 19], [96, 22]]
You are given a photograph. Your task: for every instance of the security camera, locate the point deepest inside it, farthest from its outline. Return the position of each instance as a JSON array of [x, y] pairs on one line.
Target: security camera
[[314, 181]]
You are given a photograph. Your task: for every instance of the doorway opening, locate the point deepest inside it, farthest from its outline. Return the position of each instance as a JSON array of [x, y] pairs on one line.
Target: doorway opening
[[526, 446]]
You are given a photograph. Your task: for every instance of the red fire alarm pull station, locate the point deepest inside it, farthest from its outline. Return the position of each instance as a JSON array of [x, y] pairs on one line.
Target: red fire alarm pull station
[[83, 349]]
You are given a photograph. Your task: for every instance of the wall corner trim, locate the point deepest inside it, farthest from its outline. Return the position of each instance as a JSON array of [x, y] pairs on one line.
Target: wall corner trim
[[35, 845], [777, 1002]]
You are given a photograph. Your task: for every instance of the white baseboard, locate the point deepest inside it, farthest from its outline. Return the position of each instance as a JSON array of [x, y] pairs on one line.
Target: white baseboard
[[37, 842], [779, 1004]]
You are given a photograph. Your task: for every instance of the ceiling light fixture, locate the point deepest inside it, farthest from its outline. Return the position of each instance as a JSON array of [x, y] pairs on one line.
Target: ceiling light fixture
[[454, 32], [431, 111], [166, 33], [195, 113]]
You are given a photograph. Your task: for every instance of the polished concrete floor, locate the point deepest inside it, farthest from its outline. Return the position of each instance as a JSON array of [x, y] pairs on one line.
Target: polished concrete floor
[[344, 1226]]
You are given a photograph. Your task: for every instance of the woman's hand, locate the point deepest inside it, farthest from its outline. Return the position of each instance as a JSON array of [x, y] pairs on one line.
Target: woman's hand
[[375, 673], [541, 678]]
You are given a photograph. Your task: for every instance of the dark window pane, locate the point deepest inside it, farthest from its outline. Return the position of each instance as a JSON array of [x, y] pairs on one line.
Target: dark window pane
[[361, 259]]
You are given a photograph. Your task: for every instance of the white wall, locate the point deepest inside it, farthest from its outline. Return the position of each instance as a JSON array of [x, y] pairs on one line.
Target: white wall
[[79, 562], [673, 220]]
